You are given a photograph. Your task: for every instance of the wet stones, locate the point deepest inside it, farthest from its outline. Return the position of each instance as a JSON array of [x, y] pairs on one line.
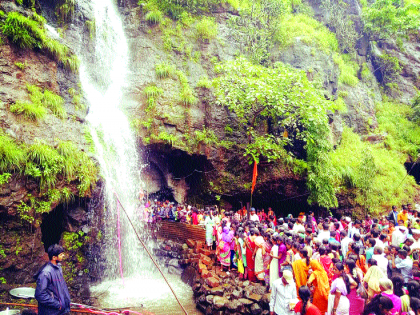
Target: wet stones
[[215, 291]]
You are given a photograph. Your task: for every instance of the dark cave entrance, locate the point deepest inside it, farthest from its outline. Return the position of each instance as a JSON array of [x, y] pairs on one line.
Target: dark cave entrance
[[52, 226], [414, 169]]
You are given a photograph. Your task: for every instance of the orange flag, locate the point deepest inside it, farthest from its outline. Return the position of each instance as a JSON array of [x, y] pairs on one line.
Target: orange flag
[[254, 177]]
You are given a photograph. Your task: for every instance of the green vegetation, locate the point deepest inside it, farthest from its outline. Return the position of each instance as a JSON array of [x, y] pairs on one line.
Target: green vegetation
[[187, 96], [154, 16], [255, 94], [73, 241], [40, 101], [152, 92], [391, 19], [64, 10], [48, 166], [204, 83], [256, 26], [373, 173], [21, 65], [348, 69], [176, 9], [29, 33], [4, 178], [206, 29], [337, 18], [29, 111], [389, 67], [163, 70], [309, 31], [91, 26]]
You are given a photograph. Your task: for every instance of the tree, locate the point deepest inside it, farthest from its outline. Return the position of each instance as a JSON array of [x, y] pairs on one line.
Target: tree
[[283, 95]]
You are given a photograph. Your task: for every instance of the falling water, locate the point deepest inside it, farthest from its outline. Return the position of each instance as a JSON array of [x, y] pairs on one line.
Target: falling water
[[103, 77]]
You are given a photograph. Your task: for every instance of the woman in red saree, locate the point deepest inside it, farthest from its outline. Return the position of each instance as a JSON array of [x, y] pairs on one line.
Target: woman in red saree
[[250, 248], [326, 262]]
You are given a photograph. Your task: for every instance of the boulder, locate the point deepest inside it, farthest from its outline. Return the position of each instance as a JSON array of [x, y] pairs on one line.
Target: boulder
[[216, 291], [256, 309], [190, 243], [261, 290], [234, 305], [201, 267], [220, 302], [209, 299], [174, 271], [205, 260], [255, 297], [246, 302], [237, 293], [174, 262], [266, 299], [212, 282]]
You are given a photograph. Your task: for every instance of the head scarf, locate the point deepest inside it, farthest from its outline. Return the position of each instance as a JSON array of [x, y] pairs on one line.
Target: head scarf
[[372, 277], [322, 283]]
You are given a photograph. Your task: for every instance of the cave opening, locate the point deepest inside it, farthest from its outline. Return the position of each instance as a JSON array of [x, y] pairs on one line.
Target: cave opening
[[52, 226], [414, 170]]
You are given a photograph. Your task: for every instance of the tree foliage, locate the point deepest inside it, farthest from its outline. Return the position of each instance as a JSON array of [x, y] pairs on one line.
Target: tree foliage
[[284, 97], [389, 19]]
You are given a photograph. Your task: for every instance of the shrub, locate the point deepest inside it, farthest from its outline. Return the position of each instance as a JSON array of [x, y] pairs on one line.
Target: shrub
[[154, 17], [373, 173], [206, 29], [23, 31], [55, 103], [64, 10], [36, 109], [12, 155], [348, 69], [152, 91], [309, 30], [30, 33], [187, 97], [389, 18], [163, 70], [28, 110], [204, 83]]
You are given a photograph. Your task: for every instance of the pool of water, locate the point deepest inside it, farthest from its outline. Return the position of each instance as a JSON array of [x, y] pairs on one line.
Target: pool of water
[[145, 294]]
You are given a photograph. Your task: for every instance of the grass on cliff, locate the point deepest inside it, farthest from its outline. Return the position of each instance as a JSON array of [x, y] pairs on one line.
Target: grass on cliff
[[48, 164], [372, 172], [306, 29], [36, 109], [29, 33]]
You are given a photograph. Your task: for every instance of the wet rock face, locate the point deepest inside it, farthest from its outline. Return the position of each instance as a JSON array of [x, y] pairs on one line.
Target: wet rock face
[[407, 79]]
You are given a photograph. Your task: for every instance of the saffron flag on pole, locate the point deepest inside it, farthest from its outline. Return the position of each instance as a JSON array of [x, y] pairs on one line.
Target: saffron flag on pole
[[254, 177]]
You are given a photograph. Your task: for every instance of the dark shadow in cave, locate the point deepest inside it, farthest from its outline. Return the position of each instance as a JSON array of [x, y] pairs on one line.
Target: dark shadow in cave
[[52, 226], [414, 169]]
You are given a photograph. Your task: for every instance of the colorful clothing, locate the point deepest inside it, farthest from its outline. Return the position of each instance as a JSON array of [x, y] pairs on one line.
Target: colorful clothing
[[300, 270], [319, 279], [311, 309]]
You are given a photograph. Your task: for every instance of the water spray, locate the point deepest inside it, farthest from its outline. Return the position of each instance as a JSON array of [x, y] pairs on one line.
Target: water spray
[[150, 255]]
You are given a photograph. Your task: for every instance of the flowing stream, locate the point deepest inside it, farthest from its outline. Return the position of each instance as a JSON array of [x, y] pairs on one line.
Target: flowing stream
[[129, 277]]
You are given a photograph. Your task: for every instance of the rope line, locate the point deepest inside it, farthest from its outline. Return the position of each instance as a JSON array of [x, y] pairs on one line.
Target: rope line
[[150, 255]]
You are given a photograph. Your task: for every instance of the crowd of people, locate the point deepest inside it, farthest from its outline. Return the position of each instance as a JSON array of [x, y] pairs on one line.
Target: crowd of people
[[318, 266]]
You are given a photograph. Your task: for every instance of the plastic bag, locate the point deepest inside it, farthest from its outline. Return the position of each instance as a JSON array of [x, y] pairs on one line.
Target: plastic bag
[[241, 268], [361, 291]]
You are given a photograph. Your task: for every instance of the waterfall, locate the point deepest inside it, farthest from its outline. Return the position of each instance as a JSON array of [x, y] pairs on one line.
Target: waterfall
[[103, 75]]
